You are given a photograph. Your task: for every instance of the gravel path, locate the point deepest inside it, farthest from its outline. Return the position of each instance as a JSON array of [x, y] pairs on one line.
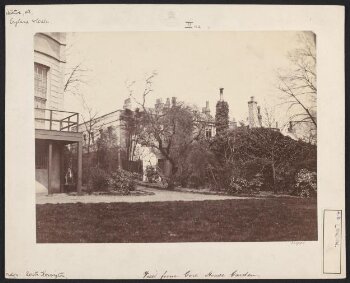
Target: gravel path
[[158, 196]]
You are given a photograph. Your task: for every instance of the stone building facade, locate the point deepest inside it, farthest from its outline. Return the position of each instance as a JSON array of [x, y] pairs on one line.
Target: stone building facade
[[53, 125]]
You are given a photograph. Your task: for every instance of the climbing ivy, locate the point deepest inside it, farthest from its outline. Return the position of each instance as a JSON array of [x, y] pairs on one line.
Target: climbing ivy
[[221, 117]]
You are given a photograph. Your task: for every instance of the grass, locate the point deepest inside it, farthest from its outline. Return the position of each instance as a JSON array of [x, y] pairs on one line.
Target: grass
[[274, 219]]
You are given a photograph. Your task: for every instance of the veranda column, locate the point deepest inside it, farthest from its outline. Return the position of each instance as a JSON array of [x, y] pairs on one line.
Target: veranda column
[[80, 166], [49, 169]]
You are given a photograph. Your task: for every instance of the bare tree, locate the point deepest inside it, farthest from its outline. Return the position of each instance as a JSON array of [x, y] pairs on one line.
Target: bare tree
[[74, 77], [269, 116], [89, 122], [298, 84], [168, 130]]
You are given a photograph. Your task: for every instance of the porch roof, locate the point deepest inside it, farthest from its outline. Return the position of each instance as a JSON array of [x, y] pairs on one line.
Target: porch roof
[[68, 137]]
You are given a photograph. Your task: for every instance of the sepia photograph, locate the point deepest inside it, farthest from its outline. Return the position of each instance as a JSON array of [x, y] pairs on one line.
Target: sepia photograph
[[145, 134], [150, 137]]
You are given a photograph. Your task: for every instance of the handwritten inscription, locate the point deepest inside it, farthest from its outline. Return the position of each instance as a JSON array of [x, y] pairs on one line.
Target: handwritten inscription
[[189, 274], [297, 243], [11, 275], [337, 228], [18, 17], [332, 237], [44, 274]]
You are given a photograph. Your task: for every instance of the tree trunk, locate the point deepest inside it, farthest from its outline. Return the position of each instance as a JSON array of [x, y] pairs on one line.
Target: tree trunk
[[171, 184], [274, 178]]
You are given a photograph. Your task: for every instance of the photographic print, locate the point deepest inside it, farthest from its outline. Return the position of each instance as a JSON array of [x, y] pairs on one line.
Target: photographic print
[[151, 137], [175, 142]]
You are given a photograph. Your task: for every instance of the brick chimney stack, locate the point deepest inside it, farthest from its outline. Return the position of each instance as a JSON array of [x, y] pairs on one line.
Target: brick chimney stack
[[234, 124], [221, 94], [253, 118], [173, 101], [206, 109], [167, 103], [159, 104]]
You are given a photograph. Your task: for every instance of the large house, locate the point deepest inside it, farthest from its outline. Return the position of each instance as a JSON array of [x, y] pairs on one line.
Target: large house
[[112, 123], [54, 127]]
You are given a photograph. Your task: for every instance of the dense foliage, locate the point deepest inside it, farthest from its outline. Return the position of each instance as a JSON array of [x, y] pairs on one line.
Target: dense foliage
[[119, 181], [221, 117], [152, 174], [122, 181], [306, 184], [99, 180], [262, 154]]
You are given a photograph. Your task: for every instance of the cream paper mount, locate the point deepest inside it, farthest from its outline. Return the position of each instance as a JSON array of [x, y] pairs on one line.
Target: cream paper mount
[[175, 142]]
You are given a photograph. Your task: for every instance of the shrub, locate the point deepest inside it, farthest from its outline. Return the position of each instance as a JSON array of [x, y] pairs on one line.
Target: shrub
[[136, 176], [240, 185], [237, 185], [152, 174], [306, 183], [256, 184], [99, 179], [122, 181]]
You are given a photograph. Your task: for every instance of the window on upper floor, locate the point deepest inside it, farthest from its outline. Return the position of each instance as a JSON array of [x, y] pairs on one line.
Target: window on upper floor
[[40, 81]]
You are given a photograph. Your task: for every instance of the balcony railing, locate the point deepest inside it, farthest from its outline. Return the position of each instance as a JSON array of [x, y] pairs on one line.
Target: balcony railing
[[56, 120]]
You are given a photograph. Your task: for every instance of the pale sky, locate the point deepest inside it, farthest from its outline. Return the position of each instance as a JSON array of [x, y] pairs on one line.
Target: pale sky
[[191, 66]]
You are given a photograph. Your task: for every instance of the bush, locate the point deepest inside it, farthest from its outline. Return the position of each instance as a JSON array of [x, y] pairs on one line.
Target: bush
[[99, 179], [240, 185], [136, 176], [306, 184], [123, 181], [152, 174]]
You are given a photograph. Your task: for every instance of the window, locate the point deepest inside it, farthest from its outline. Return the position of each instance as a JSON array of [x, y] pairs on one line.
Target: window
[[40, 90], [40, 80], [208, 133]]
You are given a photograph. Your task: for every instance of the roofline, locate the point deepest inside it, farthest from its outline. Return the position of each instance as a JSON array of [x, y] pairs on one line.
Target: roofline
[[52, 38]]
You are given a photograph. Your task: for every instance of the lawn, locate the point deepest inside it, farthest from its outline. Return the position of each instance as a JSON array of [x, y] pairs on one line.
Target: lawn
[[273, 219]]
